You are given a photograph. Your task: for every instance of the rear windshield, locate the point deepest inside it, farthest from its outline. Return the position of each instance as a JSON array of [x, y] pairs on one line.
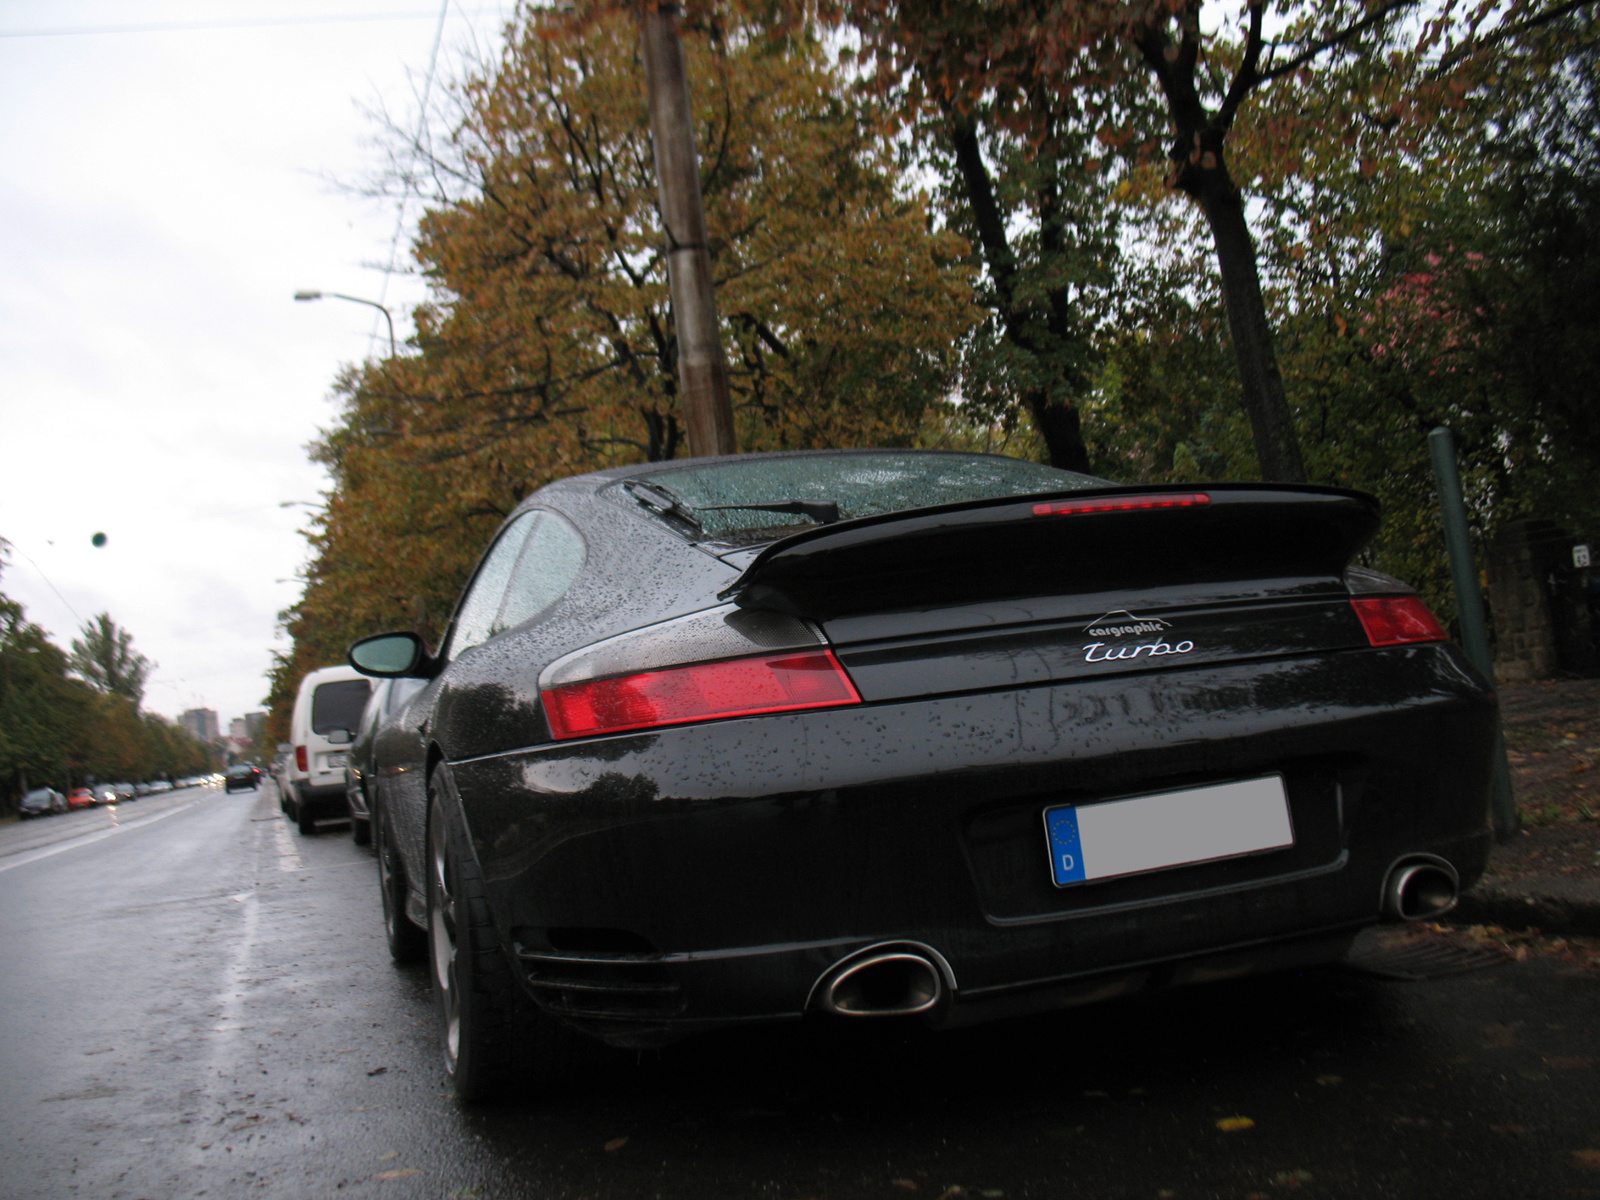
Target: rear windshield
[[338, 705], [859, 484]]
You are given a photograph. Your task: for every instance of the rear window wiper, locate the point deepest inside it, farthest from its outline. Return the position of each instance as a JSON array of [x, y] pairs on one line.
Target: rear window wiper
[[823, 512]]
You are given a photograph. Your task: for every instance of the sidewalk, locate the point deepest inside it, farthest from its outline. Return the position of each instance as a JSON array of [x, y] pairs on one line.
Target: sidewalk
[[1548, 876]]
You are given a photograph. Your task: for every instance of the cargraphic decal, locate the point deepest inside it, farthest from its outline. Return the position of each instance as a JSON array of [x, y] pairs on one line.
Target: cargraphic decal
[[1122, 623]]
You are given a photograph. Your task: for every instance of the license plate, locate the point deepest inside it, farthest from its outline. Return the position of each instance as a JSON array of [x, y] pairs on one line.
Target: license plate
[[1168, 829], [337, 760]]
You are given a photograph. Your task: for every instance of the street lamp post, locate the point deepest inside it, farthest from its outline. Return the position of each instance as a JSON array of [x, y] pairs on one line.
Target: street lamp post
[[313, 295]]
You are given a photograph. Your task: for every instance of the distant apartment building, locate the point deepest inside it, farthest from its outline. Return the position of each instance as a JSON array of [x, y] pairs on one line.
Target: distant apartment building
[[243, 732], [201, 724]]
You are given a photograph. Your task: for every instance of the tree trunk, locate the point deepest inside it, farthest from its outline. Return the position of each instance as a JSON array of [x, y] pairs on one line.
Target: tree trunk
[[1271, 423], [1062, 430], [1201, 173], [1056, 420]]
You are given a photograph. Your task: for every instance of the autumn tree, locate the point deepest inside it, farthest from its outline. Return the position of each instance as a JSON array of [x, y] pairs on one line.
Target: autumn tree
[[1123, 70], [1417, 273], [549, 346], [105, 659], [57, 731]]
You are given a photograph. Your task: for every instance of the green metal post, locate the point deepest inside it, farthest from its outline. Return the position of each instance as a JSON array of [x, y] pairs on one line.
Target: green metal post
[[1469, 608]]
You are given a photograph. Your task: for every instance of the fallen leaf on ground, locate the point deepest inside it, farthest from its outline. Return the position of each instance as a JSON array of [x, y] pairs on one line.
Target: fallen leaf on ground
[[616, 1144], [951, 1192], [909, 1185], [378, 1071], [402, 1173], [1330, 1080], [1235, 1124], [1292, 1179], [388, 1156], [1588, 1159]]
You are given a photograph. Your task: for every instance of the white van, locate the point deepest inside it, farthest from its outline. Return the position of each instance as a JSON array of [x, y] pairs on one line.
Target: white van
[[327, 712]]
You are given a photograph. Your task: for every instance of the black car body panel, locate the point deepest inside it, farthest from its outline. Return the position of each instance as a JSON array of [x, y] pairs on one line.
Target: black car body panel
[[1014, 547], [800, 838], [648, 884]]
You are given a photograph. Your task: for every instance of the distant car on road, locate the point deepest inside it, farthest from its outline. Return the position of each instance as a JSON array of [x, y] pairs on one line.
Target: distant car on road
[[105, 793], [159, 786], [80, 798], [125, 791], [41, 802], [242, 777]]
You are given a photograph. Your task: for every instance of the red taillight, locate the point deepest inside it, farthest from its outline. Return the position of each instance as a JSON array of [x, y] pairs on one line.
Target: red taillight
[[1068, 508], [737, 687], [1395, 620], [300, 758]]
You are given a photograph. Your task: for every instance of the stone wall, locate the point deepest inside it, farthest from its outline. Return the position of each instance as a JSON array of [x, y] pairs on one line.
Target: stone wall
[[1524, 640]]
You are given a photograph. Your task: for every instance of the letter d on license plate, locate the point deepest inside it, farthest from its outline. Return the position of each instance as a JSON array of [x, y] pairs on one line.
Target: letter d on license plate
[[1168, 829]]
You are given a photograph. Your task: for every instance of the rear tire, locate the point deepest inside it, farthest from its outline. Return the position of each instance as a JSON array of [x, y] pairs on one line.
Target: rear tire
[[407, 943], [302, 817], [361, 831], [496, 1042]]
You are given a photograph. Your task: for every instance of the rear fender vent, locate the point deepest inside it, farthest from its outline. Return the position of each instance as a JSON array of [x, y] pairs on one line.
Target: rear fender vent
[[598, 941], [595, 973]]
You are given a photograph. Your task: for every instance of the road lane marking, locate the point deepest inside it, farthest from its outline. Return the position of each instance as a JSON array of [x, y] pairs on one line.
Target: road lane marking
[[28, 856]]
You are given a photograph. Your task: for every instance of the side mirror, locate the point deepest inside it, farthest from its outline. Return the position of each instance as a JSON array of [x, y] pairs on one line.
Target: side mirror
[[390, 656]]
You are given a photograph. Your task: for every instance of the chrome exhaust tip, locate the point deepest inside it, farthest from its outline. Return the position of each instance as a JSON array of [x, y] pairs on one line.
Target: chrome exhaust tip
[[1419, 889], [891, 983]]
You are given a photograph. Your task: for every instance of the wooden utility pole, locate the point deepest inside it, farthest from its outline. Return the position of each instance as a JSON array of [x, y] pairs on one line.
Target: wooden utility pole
[[702, 371]]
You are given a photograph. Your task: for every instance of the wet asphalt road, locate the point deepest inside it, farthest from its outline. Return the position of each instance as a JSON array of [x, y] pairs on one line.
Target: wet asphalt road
[[198, 1002]]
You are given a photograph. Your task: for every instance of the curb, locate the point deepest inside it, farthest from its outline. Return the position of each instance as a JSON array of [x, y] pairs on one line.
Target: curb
[[1575, 915]]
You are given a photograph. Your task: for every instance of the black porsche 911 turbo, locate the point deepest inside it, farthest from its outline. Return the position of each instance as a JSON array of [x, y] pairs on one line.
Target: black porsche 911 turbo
[[878, 733]]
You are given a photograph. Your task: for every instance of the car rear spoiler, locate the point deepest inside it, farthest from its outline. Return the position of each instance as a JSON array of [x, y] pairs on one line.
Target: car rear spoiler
[[1094, 540]]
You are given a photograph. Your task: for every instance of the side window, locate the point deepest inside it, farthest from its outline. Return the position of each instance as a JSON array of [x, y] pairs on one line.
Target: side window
[[475, 617], [550, 561], [400, 691]]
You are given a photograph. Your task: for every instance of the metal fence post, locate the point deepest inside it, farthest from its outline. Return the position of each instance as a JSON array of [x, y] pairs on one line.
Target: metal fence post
[[1469, 609]]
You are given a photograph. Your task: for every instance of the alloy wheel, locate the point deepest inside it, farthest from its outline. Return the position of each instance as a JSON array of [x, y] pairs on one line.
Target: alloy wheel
[[442, 937]]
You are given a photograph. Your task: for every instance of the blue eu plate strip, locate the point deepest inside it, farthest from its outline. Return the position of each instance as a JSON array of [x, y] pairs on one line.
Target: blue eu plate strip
[[1066, 848]]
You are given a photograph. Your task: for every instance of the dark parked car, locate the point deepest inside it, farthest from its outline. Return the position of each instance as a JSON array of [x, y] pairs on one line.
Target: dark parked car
[[881, 733], [241, 777], [388, 697]]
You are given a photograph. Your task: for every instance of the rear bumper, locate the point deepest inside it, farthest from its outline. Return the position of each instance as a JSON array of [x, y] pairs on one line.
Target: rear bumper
[[323, 803], [657, 884]]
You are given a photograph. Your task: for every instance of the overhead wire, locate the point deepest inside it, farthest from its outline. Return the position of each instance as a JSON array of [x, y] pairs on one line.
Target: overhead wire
[[223, 25]]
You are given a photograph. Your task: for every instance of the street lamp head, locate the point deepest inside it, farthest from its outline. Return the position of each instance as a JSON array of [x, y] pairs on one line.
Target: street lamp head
[[308, 295]]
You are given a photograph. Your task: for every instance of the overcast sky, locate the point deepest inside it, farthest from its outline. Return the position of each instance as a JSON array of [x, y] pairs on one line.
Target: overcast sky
[[164, 191]]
